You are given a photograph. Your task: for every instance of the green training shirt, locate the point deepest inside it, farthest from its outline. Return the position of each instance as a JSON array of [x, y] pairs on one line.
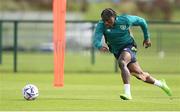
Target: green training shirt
[[118, 36]]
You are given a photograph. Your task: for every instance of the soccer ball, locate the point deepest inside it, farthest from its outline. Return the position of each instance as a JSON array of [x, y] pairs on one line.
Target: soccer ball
[[30, 92]]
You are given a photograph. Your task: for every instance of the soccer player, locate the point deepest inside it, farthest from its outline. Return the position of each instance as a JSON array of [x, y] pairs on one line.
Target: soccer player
[[120, 42]]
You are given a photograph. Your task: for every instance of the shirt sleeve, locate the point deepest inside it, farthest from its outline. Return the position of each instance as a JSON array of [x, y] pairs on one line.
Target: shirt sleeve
[[138, 21], [97, 37]]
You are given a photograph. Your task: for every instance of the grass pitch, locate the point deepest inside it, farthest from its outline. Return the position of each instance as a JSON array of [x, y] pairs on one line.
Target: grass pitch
[[87, 87], [86, 91]]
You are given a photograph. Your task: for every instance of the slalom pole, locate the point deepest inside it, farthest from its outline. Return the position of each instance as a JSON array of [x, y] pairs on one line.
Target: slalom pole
[[59, 27]]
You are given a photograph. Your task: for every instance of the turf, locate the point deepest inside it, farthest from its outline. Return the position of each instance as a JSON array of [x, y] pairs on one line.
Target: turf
[[87, 87], [86, 91]]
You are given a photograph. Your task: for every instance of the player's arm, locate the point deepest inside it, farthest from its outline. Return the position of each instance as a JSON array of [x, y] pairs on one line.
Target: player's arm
[[138, 21], [97, 38]]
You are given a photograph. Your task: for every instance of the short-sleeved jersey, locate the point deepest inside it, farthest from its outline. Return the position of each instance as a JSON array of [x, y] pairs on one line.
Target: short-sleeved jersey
[[118, 36]]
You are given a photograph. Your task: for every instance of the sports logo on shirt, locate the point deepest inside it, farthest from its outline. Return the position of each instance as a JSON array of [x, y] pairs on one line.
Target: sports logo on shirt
[[123, 27], [108, 30]]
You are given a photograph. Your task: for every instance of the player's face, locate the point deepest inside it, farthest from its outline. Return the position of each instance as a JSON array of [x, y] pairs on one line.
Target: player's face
[[110, 22]]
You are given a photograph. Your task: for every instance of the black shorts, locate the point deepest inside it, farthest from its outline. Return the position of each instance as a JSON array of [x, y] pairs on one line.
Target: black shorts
[[130, 49]]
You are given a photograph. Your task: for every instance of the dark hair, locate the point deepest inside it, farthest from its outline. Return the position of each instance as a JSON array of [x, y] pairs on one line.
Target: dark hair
[[107, 14]]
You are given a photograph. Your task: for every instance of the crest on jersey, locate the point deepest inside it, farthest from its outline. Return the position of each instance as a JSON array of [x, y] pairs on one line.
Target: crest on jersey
[[123, 27], [108, 30]]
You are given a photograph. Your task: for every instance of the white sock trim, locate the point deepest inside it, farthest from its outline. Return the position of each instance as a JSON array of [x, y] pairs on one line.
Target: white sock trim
[[127, 89], [158, 83]]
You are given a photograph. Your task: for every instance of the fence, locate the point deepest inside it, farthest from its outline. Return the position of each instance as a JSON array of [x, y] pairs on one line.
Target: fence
[[32, 36]]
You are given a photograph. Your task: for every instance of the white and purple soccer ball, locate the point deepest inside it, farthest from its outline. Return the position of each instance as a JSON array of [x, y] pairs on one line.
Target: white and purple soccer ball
[[30, 92]]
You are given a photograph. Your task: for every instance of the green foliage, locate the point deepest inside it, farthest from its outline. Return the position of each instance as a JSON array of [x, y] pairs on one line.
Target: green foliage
[[25, 5], [95, 10]]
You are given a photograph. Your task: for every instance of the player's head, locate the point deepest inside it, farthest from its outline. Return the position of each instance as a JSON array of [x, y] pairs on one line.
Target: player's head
[[108, 16]]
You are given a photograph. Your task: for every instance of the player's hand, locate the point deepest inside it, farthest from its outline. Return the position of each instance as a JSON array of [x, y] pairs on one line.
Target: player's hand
[[104, 49], [147, 43]]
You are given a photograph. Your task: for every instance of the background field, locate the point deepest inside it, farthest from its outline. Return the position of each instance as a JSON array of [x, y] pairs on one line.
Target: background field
[[162, 57], [87, 87], [86, 92], [93, 87]]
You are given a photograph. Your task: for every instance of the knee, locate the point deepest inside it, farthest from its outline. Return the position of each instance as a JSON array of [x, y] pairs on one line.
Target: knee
[[122, 63]]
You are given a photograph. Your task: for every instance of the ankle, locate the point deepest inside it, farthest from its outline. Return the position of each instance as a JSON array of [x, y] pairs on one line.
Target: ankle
[[158, 83]]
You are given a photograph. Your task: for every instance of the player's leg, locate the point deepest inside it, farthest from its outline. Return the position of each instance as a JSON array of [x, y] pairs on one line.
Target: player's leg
[[123, 61], [136, 70]]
